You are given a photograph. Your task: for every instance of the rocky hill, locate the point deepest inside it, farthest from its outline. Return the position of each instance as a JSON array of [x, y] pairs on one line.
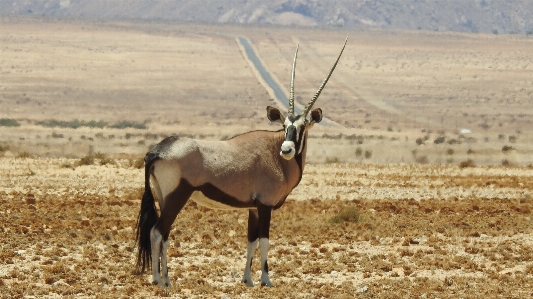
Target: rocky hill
[[489, 16]]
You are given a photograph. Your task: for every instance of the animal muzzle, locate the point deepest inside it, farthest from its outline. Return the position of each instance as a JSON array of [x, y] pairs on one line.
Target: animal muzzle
[[288, 150]]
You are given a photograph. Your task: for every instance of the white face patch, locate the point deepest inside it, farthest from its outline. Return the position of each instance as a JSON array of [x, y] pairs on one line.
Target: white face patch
[[288, 148]]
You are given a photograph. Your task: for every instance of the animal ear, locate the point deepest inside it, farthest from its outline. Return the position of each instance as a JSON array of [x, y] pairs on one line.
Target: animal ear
[[274, 114], [316, 115]]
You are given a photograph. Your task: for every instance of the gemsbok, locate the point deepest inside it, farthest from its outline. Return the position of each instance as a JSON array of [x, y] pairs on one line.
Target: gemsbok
[[254, 171]]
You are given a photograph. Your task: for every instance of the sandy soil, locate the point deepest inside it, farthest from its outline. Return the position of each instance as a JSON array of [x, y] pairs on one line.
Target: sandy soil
[[389, 89], [416, 231]]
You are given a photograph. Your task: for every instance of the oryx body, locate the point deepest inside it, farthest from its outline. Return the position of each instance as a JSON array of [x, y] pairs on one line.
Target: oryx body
[[255, 171]]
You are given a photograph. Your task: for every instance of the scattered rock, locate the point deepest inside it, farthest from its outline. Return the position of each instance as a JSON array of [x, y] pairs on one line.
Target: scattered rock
[[30, 199], [362, 289]]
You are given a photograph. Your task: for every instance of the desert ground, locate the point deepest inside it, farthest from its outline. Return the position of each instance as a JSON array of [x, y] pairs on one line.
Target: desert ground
[[348, 230], [422, 188]]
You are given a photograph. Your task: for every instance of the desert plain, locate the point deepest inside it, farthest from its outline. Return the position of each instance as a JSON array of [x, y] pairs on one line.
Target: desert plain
[[421, 187]]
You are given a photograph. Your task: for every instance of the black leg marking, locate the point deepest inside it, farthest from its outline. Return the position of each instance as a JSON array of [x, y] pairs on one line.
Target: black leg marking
[[174, 202], [253, 225]]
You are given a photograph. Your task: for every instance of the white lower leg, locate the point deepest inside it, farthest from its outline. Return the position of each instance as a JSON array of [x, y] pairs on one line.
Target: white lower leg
[[156, 239], [164, 268], [247, 277], [263, 247]]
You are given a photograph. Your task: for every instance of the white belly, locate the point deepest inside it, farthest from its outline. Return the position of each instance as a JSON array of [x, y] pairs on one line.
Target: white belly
[[204, 201]]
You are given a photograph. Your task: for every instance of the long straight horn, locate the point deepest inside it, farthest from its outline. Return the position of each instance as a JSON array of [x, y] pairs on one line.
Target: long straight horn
[[291, 96], [312, 102]]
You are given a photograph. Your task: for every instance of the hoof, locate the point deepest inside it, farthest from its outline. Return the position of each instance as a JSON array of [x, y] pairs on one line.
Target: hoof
[[248, 283], [266, 284], [159, 283]]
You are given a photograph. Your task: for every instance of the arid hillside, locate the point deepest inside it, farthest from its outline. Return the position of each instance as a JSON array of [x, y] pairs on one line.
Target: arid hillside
[[487, 16]]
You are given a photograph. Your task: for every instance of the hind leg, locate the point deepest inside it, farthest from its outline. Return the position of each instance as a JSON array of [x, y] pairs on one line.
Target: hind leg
[[155, 239], [173, 204], [251, 246]]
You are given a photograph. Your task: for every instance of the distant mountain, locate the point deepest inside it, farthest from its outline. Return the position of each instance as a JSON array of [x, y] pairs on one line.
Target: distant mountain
[[491, 16]]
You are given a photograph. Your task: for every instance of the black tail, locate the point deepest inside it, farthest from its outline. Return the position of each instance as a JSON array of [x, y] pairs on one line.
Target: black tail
[[146, 220]]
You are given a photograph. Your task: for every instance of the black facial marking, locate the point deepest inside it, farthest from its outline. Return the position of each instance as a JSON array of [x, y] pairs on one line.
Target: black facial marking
[[290, 135]]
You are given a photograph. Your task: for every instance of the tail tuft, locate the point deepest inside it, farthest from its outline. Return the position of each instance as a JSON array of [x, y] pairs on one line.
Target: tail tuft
[[146, 221]]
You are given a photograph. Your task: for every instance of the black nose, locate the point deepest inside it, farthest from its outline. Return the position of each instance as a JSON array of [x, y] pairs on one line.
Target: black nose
[[286, 151]]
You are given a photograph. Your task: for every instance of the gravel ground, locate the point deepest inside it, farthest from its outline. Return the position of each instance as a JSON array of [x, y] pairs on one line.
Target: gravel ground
[[348, 230]]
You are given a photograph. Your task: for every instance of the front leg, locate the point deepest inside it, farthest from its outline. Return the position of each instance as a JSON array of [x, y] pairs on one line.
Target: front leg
[[258, 231], [263, 248], [265, 213]]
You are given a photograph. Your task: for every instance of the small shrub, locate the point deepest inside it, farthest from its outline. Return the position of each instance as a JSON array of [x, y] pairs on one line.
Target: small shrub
[[349, 214], [138, 163], [4, 147], [512, 139], [73, 124], [9, 122], [128, 124], [422, 160], [506, 162], [330, 160], [467, 163], [368, 154], [87, 160], [358, 152], [439, 140], [57, 135], [106, 161], [24, 155], [419, 141], [99, 155], [507, 148], [450, 152]]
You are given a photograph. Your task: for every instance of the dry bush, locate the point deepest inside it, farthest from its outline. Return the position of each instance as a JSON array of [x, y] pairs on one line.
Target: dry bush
[[137, 163], [87, 160], [349, 214], [467, 163]]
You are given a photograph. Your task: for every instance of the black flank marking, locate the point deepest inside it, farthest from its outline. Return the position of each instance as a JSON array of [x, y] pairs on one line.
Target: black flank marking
[[212, 192]]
